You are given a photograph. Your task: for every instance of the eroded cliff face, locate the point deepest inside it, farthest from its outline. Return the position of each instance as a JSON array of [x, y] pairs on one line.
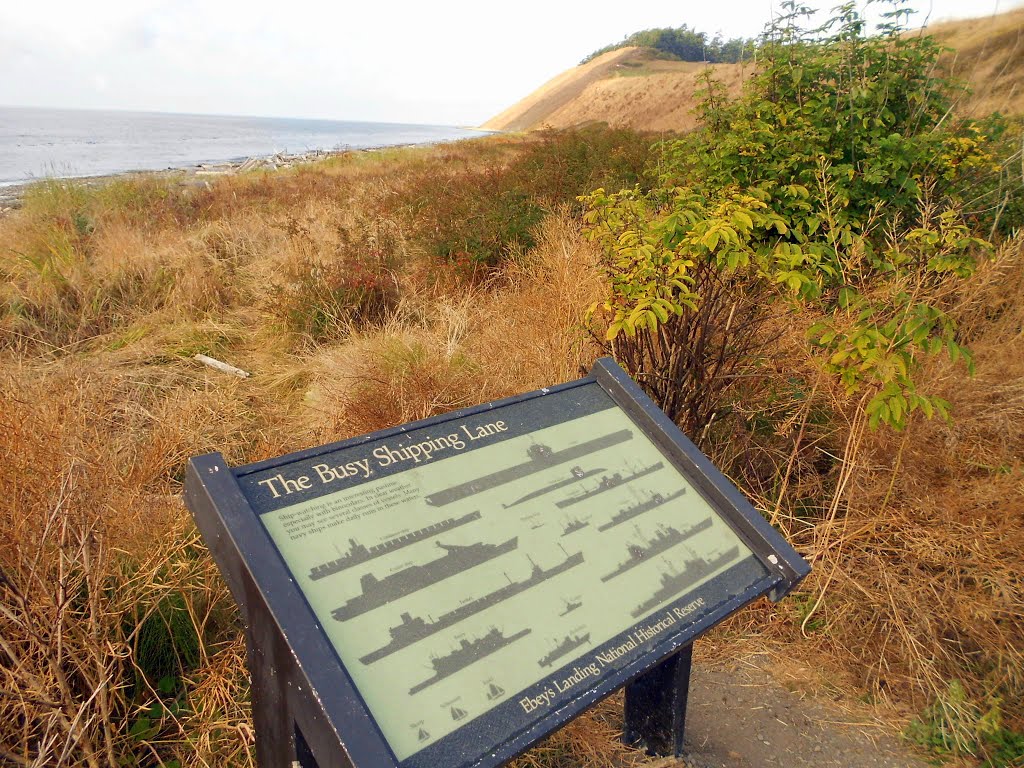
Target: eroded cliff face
[[626, 88]]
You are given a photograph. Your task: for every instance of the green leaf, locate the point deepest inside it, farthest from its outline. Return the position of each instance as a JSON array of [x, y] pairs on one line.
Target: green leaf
[[926, 406], [741, 219], [896, 407]]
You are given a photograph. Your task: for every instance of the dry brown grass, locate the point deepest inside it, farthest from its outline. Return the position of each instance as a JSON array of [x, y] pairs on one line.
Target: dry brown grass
[[987, 53], [915, 537], [118, 640], [100, 561], [594, 740], [480, 343], [918, 559], [624, 88], [533, 111]]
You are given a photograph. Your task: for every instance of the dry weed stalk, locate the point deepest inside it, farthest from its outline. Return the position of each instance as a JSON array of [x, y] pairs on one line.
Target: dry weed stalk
[[97, 566], [917, 550]]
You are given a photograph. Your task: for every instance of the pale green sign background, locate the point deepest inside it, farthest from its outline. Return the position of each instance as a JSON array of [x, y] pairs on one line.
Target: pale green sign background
[[559, 585]]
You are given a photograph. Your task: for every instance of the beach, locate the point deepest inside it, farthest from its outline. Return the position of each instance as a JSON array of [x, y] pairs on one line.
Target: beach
[[41, 144]]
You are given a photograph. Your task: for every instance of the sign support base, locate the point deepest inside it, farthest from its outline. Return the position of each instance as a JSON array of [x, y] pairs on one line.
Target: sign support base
[[655, 708]]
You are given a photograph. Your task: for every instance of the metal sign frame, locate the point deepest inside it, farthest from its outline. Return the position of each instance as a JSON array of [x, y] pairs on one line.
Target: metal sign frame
[[307, 710]]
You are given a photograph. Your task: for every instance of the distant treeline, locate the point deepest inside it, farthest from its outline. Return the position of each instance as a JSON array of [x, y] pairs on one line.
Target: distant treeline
[[684, 44]]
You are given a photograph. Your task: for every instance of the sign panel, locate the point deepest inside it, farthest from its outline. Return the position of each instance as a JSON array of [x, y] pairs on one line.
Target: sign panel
[[450, 591], [496, 562]]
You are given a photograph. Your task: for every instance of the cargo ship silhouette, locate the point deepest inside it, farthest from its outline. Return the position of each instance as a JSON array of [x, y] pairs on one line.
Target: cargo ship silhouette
[[468, 652], [540, 457], [606, 483], [674, 584], [575, 475], [358, 554], [628, 513], [457, 558], [413, 629], [569, 643], [663, 540]]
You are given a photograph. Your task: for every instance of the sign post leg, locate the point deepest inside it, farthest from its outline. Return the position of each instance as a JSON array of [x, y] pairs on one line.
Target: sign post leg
[[655, 709]]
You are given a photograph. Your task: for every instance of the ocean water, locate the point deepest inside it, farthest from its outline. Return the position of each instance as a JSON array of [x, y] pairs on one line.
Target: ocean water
[[42, 143]]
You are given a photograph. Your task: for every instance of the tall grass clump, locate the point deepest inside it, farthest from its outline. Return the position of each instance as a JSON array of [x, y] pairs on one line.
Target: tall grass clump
[[108, 602], [475, 217], [788, 291], [80, 262], [331, 285], [519, 331]]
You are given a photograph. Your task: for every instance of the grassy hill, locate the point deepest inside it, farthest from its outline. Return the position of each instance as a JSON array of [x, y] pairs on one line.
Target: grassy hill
[[632, 88]]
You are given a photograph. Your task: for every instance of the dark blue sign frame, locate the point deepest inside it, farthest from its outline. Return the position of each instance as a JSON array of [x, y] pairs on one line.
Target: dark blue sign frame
[[305, 705]]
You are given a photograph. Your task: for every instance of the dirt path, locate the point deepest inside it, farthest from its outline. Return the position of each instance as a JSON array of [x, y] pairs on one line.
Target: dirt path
[[743, 717]]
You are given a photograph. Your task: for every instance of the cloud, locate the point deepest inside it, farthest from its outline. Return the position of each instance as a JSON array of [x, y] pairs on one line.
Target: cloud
[[454, 61]]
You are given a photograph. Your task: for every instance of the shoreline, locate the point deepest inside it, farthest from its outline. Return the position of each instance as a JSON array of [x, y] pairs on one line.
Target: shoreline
[[11, 194]]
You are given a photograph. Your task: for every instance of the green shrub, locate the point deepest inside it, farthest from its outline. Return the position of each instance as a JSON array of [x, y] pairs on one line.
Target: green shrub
[[325, 301], [684, 44], [835, 183], [953, 725], [474, 217]]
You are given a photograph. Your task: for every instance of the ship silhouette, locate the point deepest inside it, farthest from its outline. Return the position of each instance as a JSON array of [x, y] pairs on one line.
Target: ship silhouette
[[457, 558], [608, 482], [628, 513], [458, 713], [568, 644], [468, 652], [664, 539], [413, 629], [571, 606], [358, 554], [575, 475], [539, 457], [574, 525], [423, 735], [675, 584]]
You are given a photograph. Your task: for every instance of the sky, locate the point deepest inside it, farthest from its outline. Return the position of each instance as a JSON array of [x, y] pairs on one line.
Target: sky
[[445, 62]]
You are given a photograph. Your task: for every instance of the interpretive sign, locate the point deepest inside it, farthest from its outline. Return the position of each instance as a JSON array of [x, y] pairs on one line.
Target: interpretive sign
[[448, 592]]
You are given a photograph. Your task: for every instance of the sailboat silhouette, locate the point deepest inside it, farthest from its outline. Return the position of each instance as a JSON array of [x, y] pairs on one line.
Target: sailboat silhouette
[[494, 691]]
